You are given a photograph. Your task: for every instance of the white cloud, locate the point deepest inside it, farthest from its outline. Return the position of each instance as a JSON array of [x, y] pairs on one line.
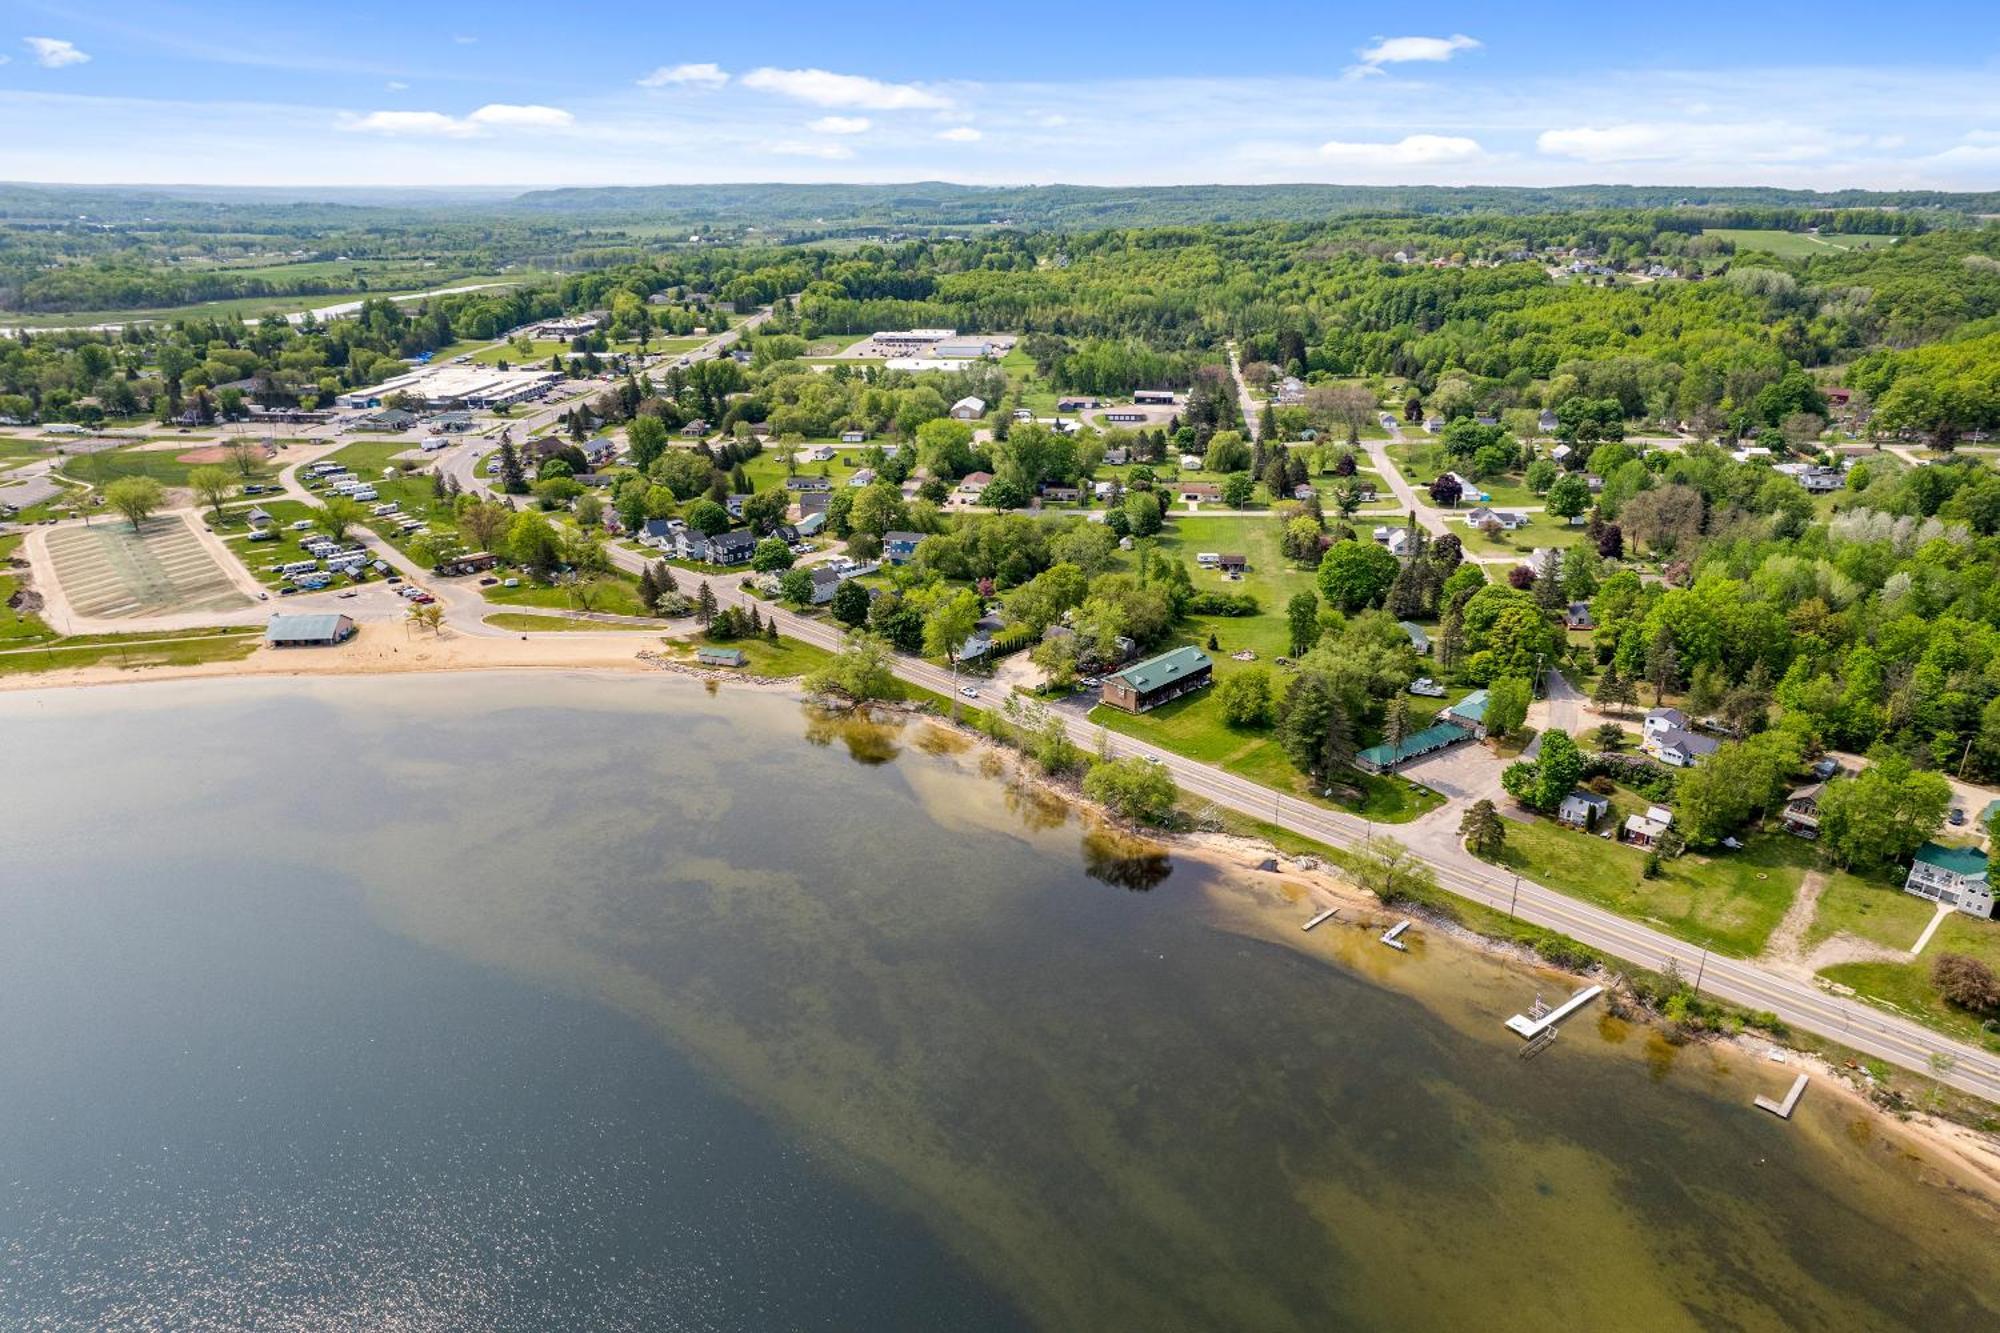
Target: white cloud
[[427, 123], [436, 124], [828, 152], [396, 86], [706, 74], [841, 125], [53, 52], [463, 40], [824, 88], [1413, 150], [529, 117], [960, 134], [1695, 142], [1053, 121], [1402, 50]]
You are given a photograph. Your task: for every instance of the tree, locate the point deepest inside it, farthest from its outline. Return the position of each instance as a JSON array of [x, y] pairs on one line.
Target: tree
[[1569, 496], [949, 622], [584, 554], [1245, 697], [861, 671], [1394, 873], [1544, 783], [705, 605], [648, 438], [513, 477], [1483, 831], [428, 616], [796, 586], [707, 517], [1396, 721], [1302, 619], [1506, 705], [850, 604], [1314, 726], [483, 522], [1446, 490], [1133, 788], [1355, 574], [244, 455], [212, 485], [135, 497], [1881, 814], [1237, 488], [338, 516], [771, 555]]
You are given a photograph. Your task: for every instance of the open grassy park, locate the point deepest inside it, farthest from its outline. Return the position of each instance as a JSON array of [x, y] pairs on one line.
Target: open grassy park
[[186, 647], [167, 461], [1797, 244]]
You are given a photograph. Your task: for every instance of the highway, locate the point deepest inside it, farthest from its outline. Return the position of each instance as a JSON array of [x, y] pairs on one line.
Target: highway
[[1798, 1003]]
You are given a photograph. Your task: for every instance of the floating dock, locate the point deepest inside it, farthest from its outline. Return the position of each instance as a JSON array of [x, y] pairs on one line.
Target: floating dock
[[1783, 1109], [1393, 936], [1522, 1025], [1323, 917]]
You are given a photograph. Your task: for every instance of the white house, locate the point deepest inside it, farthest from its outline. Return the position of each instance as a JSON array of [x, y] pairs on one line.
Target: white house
[[1954, 876], [1668, 739], [968, 409]]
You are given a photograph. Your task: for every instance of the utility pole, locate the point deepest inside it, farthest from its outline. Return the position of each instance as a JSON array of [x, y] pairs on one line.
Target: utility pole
[[1699, 968], [1513, 897]]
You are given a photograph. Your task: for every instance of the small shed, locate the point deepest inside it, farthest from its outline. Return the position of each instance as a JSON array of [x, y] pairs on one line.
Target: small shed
[[721, 657]]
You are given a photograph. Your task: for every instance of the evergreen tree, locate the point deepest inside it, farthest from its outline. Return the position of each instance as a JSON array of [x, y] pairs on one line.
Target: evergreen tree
[[1396, 722], [649, 587], [704, 605], [771, 629], [513, 479], [756, 620], [1484, 832], [1610, 688], [1663, 664], [663, 578]]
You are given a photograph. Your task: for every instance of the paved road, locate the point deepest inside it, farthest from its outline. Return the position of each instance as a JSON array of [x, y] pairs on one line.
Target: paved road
[[1251, 425], [1434, 838]]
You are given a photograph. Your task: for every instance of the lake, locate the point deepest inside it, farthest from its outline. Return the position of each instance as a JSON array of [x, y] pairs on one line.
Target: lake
[[533, 1001]]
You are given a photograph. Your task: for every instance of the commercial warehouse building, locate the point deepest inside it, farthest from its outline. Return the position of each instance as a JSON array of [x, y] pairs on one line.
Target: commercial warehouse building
[[452, 386]]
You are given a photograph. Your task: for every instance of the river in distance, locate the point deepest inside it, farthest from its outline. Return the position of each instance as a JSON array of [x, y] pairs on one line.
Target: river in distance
[[558, 1001]]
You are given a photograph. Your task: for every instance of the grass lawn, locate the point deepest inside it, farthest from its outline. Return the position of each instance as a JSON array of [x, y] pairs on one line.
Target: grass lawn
[[781, 660], [1540, 530], [1730, 901], [1420, 463], [1907, 986], [615, 594], [1873, 909], [541, 349], [162, 465], [527, 622], [174, 648]]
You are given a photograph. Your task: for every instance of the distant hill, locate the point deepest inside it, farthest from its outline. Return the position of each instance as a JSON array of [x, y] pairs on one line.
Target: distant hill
[[940, 204]]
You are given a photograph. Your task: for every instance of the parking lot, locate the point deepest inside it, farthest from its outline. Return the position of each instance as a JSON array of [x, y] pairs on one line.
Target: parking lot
[[106, 570]]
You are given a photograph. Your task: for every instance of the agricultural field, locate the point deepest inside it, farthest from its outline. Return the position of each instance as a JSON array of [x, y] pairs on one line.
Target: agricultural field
[[1797, 245]]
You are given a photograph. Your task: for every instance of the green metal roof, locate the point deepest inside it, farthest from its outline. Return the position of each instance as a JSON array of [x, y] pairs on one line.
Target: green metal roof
[[1958, 860], [1472, 707], [1151, 674], [1423, 742]]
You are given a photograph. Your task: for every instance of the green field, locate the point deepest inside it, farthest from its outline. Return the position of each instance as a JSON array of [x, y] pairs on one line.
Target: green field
[[1541, 530], [1729, 901], [173, 648], [1421, 463], [615, 594], [530, 623], [250, 308], [542, 350], [1876, 910], [162, 465], [1797, 245]]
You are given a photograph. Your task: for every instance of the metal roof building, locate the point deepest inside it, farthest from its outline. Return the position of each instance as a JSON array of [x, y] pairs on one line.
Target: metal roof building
[[305, 631]]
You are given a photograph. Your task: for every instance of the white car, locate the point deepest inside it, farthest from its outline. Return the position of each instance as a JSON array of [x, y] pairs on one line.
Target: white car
[[968, 691], [1427, 687]]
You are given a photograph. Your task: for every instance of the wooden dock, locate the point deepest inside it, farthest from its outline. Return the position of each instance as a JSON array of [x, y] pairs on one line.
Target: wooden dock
[[1393, 936], [1783, 1109], [1323, 917]]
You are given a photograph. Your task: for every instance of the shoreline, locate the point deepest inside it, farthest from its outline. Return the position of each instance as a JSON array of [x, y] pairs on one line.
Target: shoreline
[[1968, 1159]]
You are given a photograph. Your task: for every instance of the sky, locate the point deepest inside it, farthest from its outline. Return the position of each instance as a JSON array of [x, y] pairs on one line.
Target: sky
[[371, 93]]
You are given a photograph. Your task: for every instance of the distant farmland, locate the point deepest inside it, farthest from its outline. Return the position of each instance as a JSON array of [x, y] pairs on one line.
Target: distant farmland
[[1797, 245]]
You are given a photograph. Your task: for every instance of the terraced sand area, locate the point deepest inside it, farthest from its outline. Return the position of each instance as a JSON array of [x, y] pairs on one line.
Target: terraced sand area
[[109, 571]]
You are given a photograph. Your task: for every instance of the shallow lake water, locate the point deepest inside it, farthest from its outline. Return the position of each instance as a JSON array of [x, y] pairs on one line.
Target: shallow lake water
[[557, 1001]]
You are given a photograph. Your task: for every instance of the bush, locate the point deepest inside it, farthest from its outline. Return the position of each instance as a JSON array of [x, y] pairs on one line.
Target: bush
[[1222, 604], [1966, 982]]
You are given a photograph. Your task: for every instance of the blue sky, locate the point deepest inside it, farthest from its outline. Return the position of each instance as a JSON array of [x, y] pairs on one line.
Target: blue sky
[[370, 93]]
